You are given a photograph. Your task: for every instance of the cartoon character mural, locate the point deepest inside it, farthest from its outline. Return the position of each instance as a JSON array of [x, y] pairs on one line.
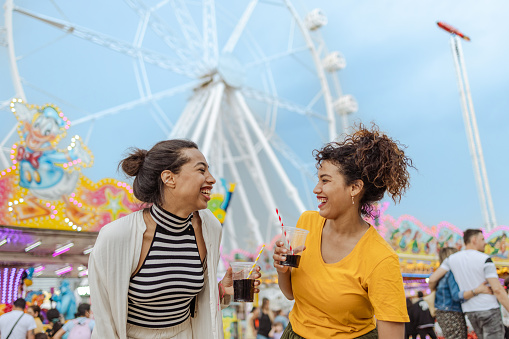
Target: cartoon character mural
[[46, 172], [497, 244], [41, 166], [409, 237], [45, 188]]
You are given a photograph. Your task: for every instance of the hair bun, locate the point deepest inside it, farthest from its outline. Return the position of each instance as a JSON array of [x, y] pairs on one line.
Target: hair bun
[[134, 162]]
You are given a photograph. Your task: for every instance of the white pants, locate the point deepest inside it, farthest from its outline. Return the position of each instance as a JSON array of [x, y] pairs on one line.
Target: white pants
[[181, 331]]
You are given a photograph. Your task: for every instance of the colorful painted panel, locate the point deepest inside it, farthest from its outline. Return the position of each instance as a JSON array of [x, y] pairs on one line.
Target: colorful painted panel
[[44, 186]]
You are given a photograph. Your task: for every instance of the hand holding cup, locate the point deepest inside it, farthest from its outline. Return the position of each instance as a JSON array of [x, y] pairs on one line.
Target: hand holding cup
[[279, 256]]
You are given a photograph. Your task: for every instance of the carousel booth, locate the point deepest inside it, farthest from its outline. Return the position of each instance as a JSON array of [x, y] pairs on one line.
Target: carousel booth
[[50, 212], [418, 245]]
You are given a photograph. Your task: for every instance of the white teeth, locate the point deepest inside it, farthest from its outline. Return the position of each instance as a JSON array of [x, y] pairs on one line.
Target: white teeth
[[322, 200], [205, 192]]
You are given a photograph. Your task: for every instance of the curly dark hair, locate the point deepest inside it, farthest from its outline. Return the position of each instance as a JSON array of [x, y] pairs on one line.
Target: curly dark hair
[[374, 158]]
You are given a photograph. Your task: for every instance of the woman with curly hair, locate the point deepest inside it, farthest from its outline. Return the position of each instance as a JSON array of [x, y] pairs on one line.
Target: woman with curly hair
[[348, 284]]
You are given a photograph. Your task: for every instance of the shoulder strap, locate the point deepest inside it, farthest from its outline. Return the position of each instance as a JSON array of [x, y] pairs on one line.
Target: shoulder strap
[[8, 335]]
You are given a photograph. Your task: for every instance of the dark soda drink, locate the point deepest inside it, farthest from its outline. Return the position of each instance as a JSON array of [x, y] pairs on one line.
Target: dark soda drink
[[243, 290], [292, 260]]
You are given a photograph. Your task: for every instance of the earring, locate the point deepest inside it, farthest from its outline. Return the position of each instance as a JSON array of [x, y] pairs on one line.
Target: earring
[[353, 202]]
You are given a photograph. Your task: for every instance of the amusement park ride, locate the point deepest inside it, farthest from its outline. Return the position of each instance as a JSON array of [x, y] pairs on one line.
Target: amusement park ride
[[216, 72], [252, 97], [474, 141]]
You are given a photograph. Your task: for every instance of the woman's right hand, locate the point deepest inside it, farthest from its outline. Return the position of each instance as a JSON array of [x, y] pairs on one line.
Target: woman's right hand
[[278, 256], [483, 288]]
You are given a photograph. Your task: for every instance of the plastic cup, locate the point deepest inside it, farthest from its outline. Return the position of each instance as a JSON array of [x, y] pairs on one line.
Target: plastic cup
[[243, 285], [294, 239]]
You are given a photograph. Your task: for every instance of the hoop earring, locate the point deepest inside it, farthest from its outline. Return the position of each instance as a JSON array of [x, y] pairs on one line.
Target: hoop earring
[[353, 202]]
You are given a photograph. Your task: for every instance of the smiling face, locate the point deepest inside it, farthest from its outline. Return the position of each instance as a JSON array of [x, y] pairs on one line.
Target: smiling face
[[42, 130], [190, 188], [333, 194]]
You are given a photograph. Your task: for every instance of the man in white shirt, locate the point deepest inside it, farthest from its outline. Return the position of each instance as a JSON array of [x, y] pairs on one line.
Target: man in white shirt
[[16, 324], [471, 267]]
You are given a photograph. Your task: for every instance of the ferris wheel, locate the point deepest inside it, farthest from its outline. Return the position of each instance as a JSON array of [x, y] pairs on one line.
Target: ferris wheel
[[252, 82]]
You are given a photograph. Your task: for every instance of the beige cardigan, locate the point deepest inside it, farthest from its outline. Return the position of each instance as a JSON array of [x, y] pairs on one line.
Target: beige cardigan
[[114, 259]]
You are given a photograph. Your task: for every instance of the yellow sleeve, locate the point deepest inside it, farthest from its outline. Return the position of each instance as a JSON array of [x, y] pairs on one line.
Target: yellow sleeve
[[386, 292], [308, 220]]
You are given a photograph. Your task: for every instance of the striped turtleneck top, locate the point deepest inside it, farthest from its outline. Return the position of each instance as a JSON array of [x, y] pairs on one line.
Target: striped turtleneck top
[[161, 292]]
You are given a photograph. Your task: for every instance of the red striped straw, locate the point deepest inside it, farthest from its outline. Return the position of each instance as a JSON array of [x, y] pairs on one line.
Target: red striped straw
[[283, 229]]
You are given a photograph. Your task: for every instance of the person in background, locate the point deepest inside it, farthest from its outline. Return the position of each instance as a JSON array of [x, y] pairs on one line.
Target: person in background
[[35, 311], [410, 329], [280, 317], [83, 324], [424, 322], [266, 319], [154, 271], [54, 322], [277, 330], [471, 267], [16, 324], [252, 323], [505, 314], [349, 283], [448, 299]]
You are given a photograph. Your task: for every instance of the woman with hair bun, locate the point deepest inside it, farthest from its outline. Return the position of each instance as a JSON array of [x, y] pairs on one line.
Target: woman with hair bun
[[153, 273], [348, 283]]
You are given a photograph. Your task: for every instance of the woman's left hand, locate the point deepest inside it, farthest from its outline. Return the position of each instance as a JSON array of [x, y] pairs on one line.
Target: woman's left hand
[[227, 281]]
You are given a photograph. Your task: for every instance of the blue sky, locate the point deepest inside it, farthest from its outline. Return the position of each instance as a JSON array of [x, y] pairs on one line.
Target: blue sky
[[399, 68]]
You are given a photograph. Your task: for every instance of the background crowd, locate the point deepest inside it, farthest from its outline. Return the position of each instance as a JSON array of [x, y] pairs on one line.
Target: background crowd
[[31, 323]]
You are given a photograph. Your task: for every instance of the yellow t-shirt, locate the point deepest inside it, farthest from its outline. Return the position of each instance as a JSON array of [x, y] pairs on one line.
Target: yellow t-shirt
[[340, 300], [39, 327]]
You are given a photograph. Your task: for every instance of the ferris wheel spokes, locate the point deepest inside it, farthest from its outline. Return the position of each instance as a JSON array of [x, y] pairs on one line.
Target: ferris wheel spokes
[[210, 49], [149, 15], [189, 115], [239, 28], [252, 220], [290, 188], [138, 102], [188, 68], [213, 101], [188, 27], [244, 144], [214, 115]]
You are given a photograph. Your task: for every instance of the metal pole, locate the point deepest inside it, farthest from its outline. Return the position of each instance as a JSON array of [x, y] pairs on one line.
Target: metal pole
[[469, 133], [477, 140]]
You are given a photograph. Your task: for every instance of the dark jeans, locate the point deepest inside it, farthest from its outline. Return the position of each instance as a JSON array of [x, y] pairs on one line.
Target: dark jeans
[[290, 334], [487, 324]]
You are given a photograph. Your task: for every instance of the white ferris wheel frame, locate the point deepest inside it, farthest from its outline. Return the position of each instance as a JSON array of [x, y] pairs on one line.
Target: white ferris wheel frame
[[204, 107]]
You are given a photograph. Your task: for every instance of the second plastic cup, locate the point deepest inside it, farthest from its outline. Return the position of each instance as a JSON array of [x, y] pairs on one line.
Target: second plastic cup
[[294, 240], [243, 285]]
